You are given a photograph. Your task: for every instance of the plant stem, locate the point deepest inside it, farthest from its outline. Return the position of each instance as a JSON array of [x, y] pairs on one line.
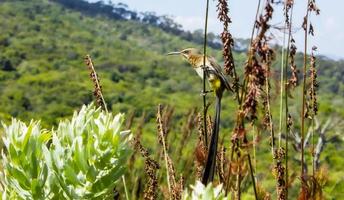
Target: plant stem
[[238, 184], [272, 133], [89, 63], [244, 85], [254, 148], [167, 171], [125, 188], [312, 152], [313, 118], [229, 168], [281, 91], [162, 135], [252, 176], [240, 122], [304, 94], [286, 102], [204, 74]]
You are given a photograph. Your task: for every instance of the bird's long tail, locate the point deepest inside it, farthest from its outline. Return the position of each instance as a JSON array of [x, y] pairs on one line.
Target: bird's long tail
[[209, 171]]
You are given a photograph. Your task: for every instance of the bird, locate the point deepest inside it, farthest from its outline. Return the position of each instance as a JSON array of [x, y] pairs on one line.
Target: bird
[[218, 84]]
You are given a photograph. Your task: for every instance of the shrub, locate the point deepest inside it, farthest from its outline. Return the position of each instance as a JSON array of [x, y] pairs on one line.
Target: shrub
[[85, 159], [25, 173]]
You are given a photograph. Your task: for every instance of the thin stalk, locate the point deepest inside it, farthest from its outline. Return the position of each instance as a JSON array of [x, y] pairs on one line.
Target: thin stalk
[[204, 74], [95, 79], [304, 94], [229, 169], [255, 21], [281, 90], [252, 176], [162, 136], [243, 96], [238, 184], [271, 127], [254, 148], [224, 10], [239, 121], [236, 80], [286, 124], [312, 129], [286, 157], [167, 171], [125, 188], [244, 85], [272, 133], [313, 146], [286, 101], [312, 152]]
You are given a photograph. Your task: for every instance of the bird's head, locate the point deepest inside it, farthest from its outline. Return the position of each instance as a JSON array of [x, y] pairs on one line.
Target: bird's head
[[186, 53]]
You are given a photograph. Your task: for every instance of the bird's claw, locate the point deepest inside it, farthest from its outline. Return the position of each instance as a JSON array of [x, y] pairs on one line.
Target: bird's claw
[[204, 93]]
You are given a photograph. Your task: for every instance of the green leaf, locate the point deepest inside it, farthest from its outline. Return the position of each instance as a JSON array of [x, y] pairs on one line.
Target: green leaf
[[26, 138], [20, 176], [79, 155], [71, 175], [34, 169]]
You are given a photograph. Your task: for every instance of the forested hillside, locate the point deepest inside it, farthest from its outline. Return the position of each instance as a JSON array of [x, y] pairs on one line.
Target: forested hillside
[[43, 75]]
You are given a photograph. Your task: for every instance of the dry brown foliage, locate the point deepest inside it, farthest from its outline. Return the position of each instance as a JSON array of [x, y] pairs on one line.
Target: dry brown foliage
[[97, 86], [227, 39], [151, 167]]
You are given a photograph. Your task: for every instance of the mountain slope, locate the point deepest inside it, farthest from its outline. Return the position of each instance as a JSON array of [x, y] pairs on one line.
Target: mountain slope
[[42, 52]]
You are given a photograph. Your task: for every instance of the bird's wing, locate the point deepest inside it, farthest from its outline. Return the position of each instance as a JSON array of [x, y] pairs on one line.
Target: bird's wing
[[218, 71]]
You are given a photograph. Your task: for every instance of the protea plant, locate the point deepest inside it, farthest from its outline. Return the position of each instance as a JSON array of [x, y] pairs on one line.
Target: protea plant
[[82, 159]]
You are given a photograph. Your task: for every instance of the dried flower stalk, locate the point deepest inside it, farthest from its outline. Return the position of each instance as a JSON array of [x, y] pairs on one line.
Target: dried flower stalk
[[227, 39], [311, 7], [254, 71], [151, 167], [220, 164], [313, 105], [161, 138], [97, 87], [280, 174], [201, 149], [163, 118], [176, 187], [293, 81]]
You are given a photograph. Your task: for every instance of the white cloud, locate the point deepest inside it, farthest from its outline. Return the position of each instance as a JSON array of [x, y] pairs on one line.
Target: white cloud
[[189, 23], [195, 22]]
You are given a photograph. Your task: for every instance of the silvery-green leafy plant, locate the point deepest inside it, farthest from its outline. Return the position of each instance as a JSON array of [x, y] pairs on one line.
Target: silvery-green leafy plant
[[201, 192], [25, 172], [88, 154], [83, 158]]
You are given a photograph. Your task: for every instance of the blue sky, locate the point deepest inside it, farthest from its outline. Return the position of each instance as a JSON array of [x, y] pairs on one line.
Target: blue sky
[[329, 25]]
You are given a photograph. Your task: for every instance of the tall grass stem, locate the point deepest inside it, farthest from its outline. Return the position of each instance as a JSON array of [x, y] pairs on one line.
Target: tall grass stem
[[304, 92], [162, 136], [204, 74], [282, 82], [125, 188], [286, 100]]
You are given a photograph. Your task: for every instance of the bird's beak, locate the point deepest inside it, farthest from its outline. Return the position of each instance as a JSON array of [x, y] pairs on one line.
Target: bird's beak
[[173, 53]]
